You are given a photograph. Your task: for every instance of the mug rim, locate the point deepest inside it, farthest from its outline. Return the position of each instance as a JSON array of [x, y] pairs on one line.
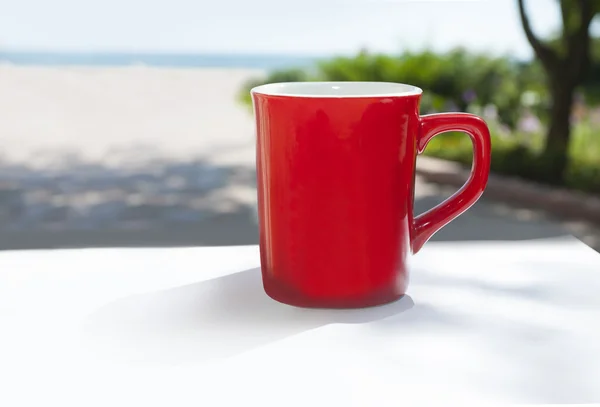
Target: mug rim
[[337, 89]]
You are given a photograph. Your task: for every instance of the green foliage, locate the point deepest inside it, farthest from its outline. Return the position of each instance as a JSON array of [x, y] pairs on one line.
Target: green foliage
[[452, 81], [289, 75], [520, 155], [591, 83], [590, 86]]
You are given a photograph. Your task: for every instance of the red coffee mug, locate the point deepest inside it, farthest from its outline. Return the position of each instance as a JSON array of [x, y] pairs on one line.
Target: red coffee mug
[[336, 176]]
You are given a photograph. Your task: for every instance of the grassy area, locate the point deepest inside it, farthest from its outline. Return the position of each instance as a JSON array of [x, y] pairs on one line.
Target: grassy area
[[517, 154]]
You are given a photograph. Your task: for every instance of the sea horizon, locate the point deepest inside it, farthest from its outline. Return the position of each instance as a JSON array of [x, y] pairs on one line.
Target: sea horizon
[[158, 59]]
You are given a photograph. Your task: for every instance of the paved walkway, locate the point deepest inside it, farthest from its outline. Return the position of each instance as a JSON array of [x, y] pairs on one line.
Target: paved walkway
[[188, 204], [489, 220]]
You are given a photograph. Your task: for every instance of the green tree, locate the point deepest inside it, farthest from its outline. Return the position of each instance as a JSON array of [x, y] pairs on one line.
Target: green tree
[[591, 84], [566, 63]]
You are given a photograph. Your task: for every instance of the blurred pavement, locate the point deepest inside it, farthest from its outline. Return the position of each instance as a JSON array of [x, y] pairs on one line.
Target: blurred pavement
[[224, 213]]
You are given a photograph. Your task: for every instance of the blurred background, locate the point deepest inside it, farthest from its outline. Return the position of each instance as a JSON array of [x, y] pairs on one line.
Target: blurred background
[[127, 122]]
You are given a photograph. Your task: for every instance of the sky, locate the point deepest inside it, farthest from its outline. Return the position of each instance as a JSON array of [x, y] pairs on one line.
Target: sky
[[313, 27]]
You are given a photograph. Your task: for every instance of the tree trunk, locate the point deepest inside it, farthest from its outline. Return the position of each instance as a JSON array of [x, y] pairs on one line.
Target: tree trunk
[[555, 155]]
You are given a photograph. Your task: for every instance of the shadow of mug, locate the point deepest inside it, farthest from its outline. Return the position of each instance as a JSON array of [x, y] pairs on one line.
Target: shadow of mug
[[209, 320]]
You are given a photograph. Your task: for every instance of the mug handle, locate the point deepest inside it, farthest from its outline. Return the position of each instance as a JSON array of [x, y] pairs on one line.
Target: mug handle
[[430, 222]]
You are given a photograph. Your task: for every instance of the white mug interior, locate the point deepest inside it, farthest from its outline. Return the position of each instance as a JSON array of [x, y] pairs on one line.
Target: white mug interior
[[337, 89]]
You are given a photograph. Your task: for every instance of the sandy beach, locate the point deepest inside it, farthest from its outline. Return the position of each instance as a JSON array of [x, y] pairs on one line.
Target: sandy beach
[[100, 113]]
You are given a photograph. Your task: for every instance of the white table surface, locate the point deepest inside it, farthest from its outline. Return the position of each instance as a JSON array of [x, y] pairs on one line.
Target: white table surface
[[483, 322]]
